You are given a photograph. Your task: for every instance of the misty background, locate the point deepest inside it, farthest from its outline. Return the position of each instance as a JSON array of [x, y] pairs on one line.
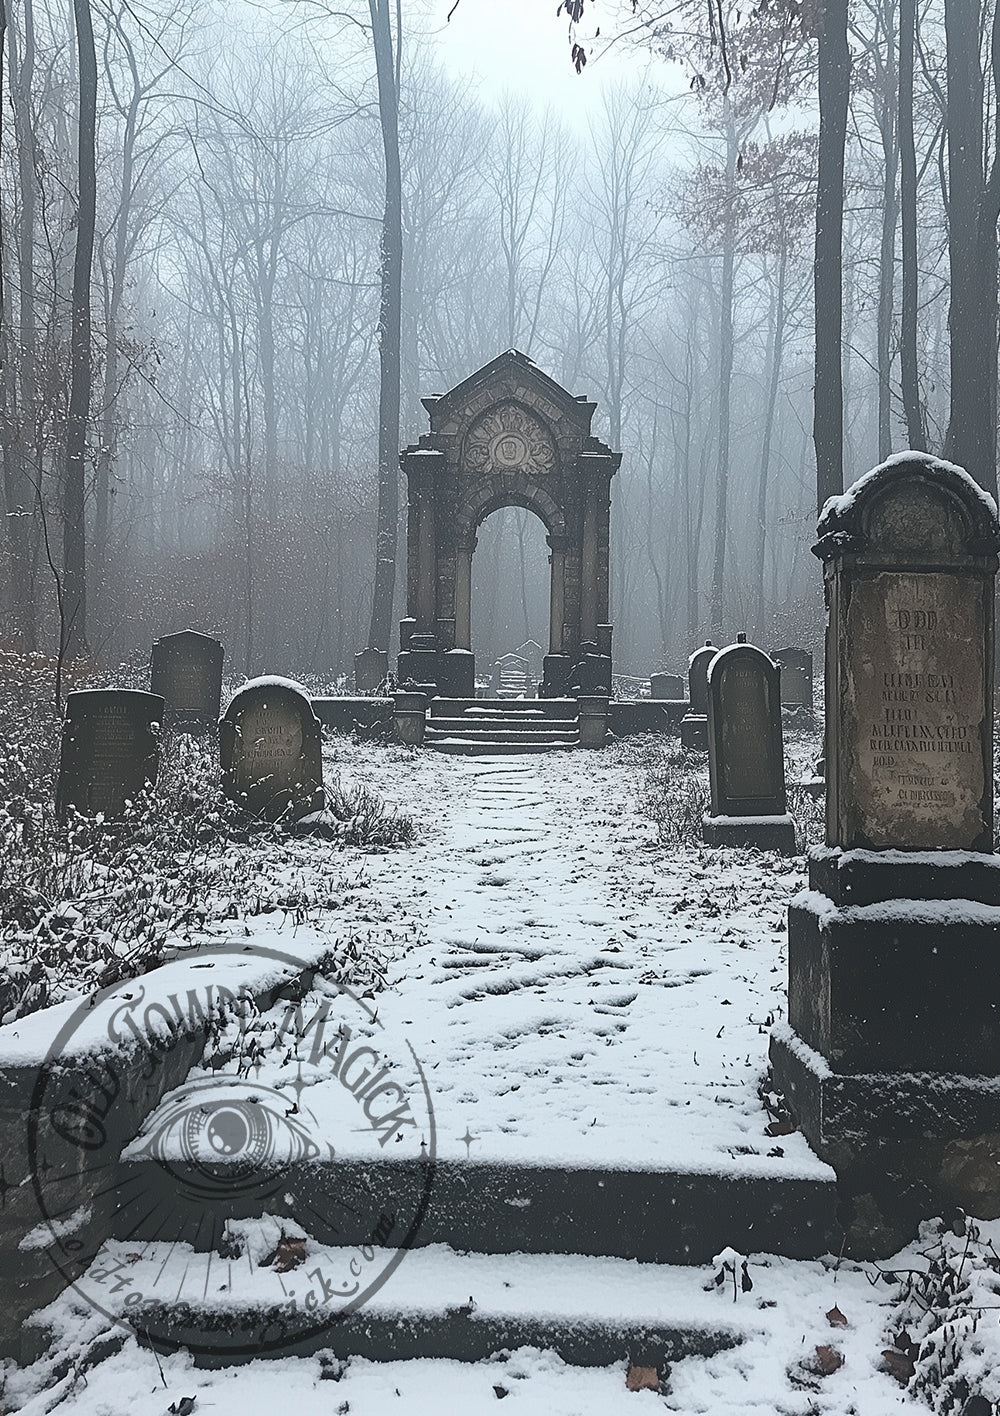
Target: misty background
[[648, 244]]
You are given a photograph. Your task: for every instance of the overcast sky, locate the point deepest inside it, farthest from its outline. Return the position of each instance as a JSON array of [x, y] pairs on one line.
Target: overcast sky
[[523, 45]]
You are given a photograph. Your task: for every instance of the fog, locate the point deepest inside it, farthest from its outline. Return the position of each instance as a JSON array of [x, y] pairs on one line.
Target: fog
[[648, 246]]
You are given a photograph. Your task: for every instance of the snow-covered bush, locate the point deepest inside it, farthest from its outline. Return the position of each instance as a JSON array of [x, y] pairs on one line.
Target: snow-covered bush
[[943, 1338]]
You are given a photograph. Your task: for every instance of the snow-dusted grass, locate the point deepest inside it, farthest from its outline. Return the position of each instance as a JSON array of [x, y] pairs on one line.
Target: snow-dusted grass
[[84, 903]]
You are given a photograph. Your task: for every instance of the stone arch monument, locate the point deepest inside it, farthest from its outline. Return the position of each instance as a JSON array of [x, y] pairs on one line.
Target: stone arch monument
[[506, 436]]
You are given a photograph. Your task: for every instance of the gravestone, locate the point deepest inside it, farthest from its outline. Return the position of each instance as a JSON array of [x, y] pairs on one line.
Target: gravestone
[[110, 749], [796, 678], [746, 763], [666, 686], [371, 669], [186, 671], [270, 746], [694, 724], [890, 1060]]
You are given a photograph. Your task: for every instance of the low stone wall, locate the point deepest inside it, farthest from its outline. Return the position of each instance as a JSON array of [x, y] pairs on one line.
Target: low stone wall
[[367, 717], [646, 715]]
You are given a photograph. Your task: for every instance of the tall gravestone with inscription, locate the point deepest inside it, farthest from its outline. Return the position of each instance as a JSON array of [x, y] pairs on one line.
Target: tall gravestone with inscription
[[746, 762], [270, 743], [694, 724], [110, 750], [890, 1059], [186, 671]]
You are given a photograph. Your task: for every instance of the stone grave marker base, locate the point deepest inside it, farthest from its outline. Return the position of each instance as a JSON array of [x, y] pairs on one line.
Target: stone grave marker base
[[765, 833], [894, 1005]]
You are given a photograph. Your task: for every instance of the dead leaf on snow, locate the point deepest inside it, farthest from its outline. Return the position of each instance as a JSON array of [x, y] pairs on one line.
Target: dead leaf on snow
[[827, 1361], [836, 1318], [897, 1364], [642, 1379], [289, 1254]]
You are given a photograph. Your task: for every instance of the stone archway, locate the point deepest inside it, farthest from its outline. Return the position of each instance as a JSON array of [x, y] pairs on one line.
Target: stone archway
[[506, 436]]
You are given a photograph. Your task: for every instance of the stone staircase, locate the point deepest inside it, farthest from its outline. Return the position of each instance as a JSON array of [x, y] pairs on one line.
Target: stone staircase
[[599, 1265], [488, 727]]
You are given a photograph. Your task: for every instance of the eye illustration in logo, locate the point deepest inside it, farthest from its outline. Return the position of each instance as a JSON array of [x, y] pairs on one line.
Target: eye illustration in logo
[[221, 1134]]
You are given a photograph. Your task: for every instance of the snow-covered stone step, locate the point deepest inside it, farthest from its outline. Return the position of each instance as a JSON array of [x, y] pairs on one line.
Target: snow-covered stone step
[[502, 729], [431, 1303], [494, 746], [762, 1204], [565, 708]]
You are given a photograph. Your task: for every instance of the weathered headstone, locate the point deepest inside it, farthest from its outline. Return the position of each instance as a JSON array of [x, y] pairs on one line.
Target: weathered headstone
[[796, 677], [110, 749], [371, 669], [694, 724], [746, 764], [670, 686], [270, 744], [186, 671], [890, 1060]]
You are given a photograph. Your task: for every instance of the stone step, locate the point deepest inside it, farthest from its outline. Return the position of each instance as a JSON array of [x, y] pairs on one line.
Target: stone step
[[563, 708], [504, 729], [433, 1303], [662, 1216], [494, 747]]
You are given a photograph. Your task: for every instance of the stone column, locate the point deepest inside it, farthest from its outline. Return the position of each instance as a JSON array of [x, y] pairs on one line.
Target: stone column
[[557, 593], [463, 595]]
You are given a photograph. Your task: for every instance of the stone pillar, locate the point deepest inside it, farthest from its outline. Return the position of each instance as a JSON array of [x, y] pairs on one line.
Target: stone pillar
[[557, 593], [890, 1060], [588, 574], [463, 596]]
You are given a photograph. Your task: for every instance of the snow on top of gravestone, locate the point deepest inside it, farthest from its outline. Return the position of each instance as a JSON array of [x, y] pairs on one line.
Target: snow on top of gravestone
[[273, 681], [837, 507]]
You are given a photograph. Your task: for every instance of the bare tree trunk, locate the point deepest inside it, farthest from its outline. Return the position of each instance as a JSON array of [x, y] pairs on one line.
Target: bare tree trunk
[[915, 434], [20, 423], [887, 252], [73, 628], [828, 396], [777, 339], [725, 380], [386, 532]]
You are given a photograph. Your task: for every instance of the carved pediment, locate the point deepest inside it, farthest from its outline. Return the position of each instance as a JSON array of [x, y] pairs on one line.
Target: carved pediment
[[507, 438]]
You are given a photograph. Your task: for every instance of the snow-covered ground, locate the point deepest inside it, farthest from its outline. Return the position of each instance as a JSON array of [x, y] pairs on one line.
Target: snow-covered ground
[[580, 994]]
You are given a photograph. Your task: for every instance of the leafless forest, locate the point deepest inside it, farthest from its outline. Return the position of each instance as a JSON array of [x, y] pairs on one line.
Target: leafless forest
[[217, 415]]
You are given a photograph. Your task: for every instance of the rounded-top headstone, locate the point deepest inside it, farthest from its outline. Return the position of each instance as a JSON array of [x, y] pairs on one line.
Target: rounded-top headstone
[[910, 554], [110, 749], [698, 678], [745, 756], [270, 743]]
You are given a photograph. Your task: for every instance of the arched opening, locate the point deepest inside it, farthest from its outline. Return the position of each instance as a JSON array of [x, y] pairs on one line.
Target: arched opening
[[511, 594]]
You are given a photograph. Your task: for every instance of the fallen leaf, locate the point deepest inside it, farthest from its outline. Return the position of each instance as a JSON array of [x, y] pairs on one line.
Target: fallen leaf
[[642, 1379], [289, 1254], [897, 1364], [779, 1128], [828, 1360], [836, 1318], [500, 1392], [184, 1407]]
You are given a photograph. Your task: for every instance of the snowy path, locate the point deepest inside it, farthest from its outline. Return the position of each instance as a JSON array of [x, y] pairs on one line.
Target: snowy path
[[576, 999]]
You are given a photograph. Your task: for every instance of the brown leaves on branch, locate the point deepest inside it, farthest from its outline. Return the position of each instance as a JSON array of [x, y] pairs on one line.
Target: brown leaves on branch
[[768, 201]]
